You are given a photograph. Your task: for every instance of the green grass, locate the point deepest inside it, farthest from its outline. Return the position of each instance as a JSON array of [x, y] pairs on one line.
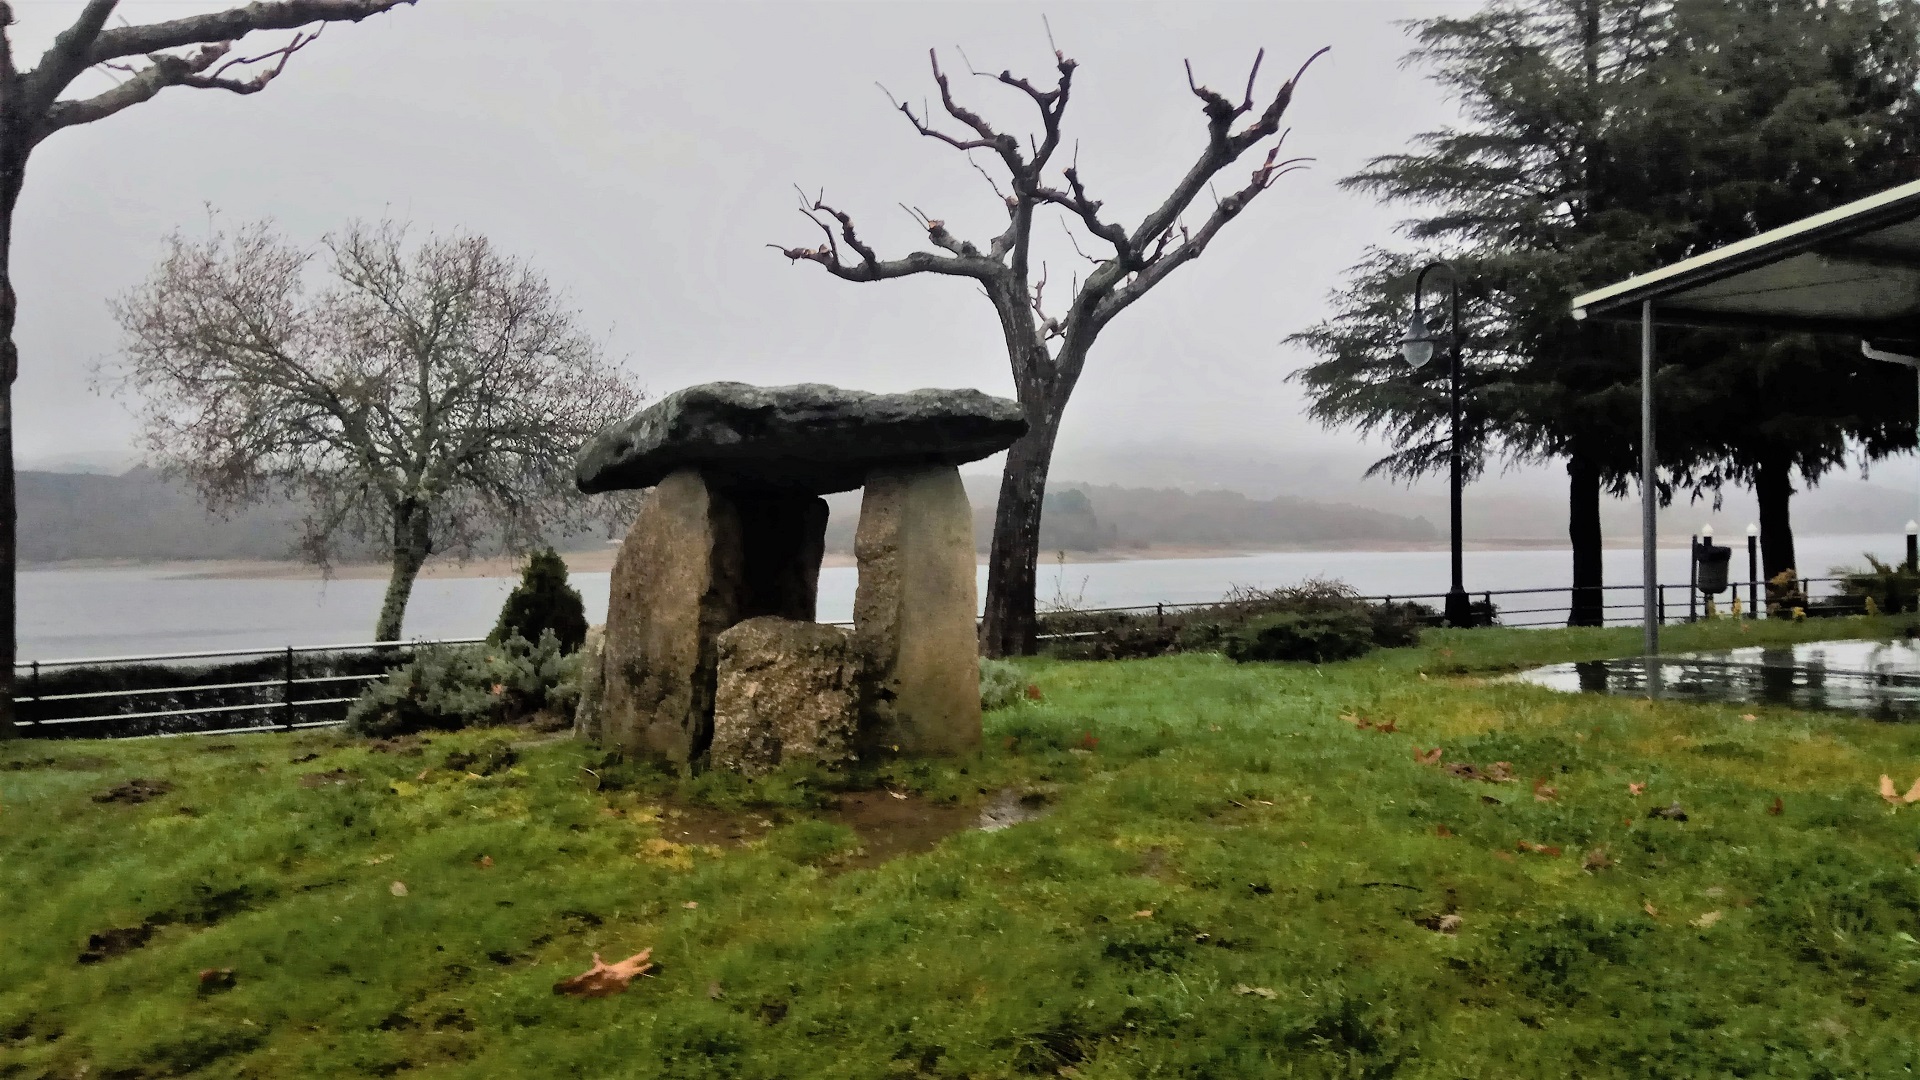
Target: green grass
[[1233, 881]]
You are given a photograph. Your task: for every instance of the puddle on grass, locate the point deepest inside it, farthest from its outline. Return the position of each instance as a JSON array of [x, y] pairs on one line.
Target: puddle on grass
[[888, 824], [1880, 679]]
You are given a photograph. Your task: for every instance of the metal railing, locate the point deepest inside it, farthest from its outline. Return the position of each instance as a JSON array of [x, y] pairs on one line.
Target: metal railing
[[1677, 603], [288, 701], [292, 701]]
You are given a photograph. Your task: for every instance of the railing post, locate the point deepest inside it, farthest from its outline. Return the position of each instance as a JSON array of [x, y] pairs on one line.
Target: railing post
[[34, 684], [286, 691], [1662, 590], [1160, 614]]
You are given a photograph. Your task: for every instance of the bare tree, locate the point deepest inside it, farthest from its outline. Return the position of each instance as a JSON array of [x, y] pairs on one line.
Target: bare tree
[[143, 60], [1047, 352], [429, 399]]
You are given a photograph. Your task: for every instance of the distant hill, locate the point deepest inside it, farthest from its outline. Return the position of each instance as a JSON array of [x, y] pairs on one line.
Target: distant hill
[[142, 515], [1087, 517]]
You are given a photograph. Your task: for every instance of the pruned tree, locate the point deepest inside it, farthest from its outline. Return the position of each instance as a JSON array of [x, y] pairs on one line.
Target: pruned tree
[[428, 399], [143, 60], [1048, 351]]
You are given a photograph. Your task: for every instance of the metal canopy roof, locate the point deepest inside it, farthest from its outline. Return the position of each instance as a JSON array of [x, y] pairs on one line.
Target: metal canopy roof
[[1854, 269]]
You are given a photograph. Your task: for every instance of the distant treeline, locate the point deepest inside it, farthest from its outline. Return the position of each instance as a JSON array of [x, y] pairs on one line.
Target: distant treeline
[[1086, 517], [142, 515]]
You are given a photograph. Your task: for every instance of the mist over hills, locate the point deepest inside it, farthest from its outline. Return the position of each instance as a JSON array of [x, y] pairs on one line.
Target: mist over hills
[[140, 515]]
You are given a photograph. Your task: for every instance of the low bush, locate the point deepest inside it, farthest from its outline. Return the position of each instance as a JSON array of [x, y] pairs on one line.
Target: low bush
[[448, 687], [1317, 637], [1001, 684], [542, 602], [1881, 589], [1324, 611]]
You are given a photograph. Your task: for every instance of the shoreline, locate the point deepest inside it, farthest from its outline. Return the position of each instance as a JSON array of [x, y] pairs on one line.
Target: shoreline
[[600, 561]]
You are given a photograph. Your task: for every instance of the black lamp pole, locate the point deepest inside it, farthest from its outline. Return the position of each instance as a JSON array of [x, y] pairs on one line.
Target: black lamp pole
[[1417, 349]]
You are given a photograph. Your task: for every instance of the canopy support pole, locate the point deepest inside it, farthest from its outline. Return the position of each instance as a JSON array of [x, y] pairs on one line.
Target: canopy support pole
[[1649, 491]]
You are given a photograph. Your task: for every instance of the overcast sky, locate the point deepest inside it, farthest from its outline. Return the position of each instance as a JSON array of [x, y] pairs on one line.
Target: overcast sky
[[645, 154]]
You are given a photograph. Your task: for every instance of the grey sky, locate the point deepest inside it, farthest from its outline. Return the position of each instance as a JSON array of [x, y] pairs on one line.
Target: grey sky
[[644, 154]]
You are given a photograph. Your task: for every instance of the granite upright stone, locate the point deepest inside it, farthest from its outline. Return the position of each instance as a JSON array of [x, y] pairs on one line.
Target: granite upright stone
[[914, 611], [786, 691]]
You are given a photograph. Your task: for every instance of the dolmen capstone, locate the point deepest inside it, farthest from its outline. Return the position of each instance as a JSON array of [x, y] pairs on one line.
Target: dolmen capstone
[[710, 651]]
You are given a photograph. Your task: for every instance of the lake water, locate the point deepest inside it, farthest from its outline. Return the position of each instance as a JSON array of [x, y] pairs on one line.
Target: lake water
[[67, 613], [1878, 678]]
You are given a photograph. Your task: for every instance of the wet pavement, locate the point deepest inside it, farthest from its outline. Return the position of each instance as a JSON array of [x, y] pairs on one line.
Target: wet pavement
[[1880, 679]]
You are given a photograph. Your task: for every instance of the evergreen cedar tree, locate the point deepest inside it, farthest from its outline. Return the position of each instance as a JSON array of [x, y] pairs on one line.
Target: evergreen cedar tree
[[196, 51], [1048, 341], [1600, 139], [543, 601]]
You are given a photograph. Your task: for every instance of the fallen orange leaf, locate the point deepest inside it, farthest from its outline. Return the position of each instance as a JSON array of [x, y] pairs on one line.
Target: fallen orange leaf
[[484, 861], [1636, 789], [1427, 757], [1892, 794], [1442, 831], [1777, 807], [1387, 728], [1143, 913], [1748, 717], [604, 979], [1033, 691], [1706, 920], [1647, 906], [1543, 793]]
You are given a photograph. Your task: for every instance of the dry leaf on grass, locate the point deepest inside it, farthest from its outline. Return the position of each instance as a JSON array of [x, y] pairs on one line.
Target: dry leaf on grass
[[1143, 913], [1705, 921], [1256, 991], [1596, 859], [398, 888], [1529, 847], [1777, 808], [1427, 757], [1442, 832], [1542, 792], [691, 904], [1647, 906], [1892, 794], [1748, 717], [484, 861], [604, 979], [1636, 789]]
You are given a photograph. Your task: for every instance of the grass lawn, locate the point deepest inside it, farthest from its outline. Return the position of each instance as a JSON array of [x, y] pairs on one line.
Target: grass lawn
[[1231, 879]]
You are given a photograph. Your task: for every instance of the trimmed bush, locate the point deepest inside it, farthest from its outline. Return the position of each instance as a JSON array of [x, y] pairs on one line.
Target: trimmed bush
[[448, 687], [543, 601], [1317, 637]]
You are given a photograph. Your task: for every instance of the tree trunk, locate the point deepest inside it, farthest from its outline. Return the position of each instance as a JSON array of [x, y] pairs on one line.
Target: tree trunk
[[13, 170], [412, 543], [1773, 487], [1583, 531], [1007, 625]]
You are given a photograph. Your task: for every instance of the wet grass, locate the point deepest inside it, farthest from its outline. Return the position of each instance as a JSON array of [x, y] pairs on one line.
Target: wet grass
[[1235, 879]]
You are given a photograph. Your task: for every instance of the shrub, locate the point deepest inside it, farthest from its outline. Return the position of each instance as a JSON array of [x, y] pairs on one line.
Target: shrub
[[1397, 626], [1001, 684], [543, 601], [1889, 588], [448, 687], [1314, 636]]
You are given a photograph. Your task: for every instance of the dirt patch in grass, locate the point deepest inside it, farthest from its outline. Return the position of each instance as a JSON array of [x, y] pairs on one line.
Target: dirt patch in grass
[[330, 778], [889, 824], [136, 790], [117, 941]]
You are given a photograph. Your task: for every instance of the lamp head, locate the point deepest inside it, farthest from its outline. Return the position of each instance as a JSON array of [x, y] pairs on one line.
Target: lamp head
[[1416, 345], [1913, 528], [1753, 530], [1706, 532]]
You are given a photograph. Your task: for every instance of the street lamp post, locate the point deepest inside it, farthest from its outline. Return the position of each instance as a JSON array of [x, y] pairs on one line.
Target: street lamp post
[[1416, 348]]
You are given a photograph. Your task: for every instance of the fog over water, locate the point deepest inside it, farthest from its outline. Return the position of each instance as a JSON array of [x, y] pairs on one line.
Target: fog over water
[[70, 613]]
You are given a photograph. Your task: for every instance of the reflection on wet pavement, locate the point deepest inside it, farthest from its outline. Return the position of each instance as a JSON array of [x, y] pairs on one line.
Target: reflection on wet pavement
[[1880, 679]]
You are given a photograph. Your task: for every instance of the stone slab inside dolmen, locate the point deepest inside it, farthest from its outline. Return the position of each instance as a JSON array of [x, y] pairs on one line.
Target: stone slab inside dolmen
[[711, 654]]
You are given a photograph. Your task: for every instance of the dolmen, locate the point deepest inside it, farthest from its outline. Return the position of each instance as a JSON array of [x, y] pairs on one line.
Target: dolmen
[[711, 655]]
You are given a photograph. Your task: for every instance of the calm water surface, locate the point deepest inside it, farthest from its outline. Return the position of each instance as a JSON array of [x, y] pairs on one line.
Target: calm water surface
[[131, 611]]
